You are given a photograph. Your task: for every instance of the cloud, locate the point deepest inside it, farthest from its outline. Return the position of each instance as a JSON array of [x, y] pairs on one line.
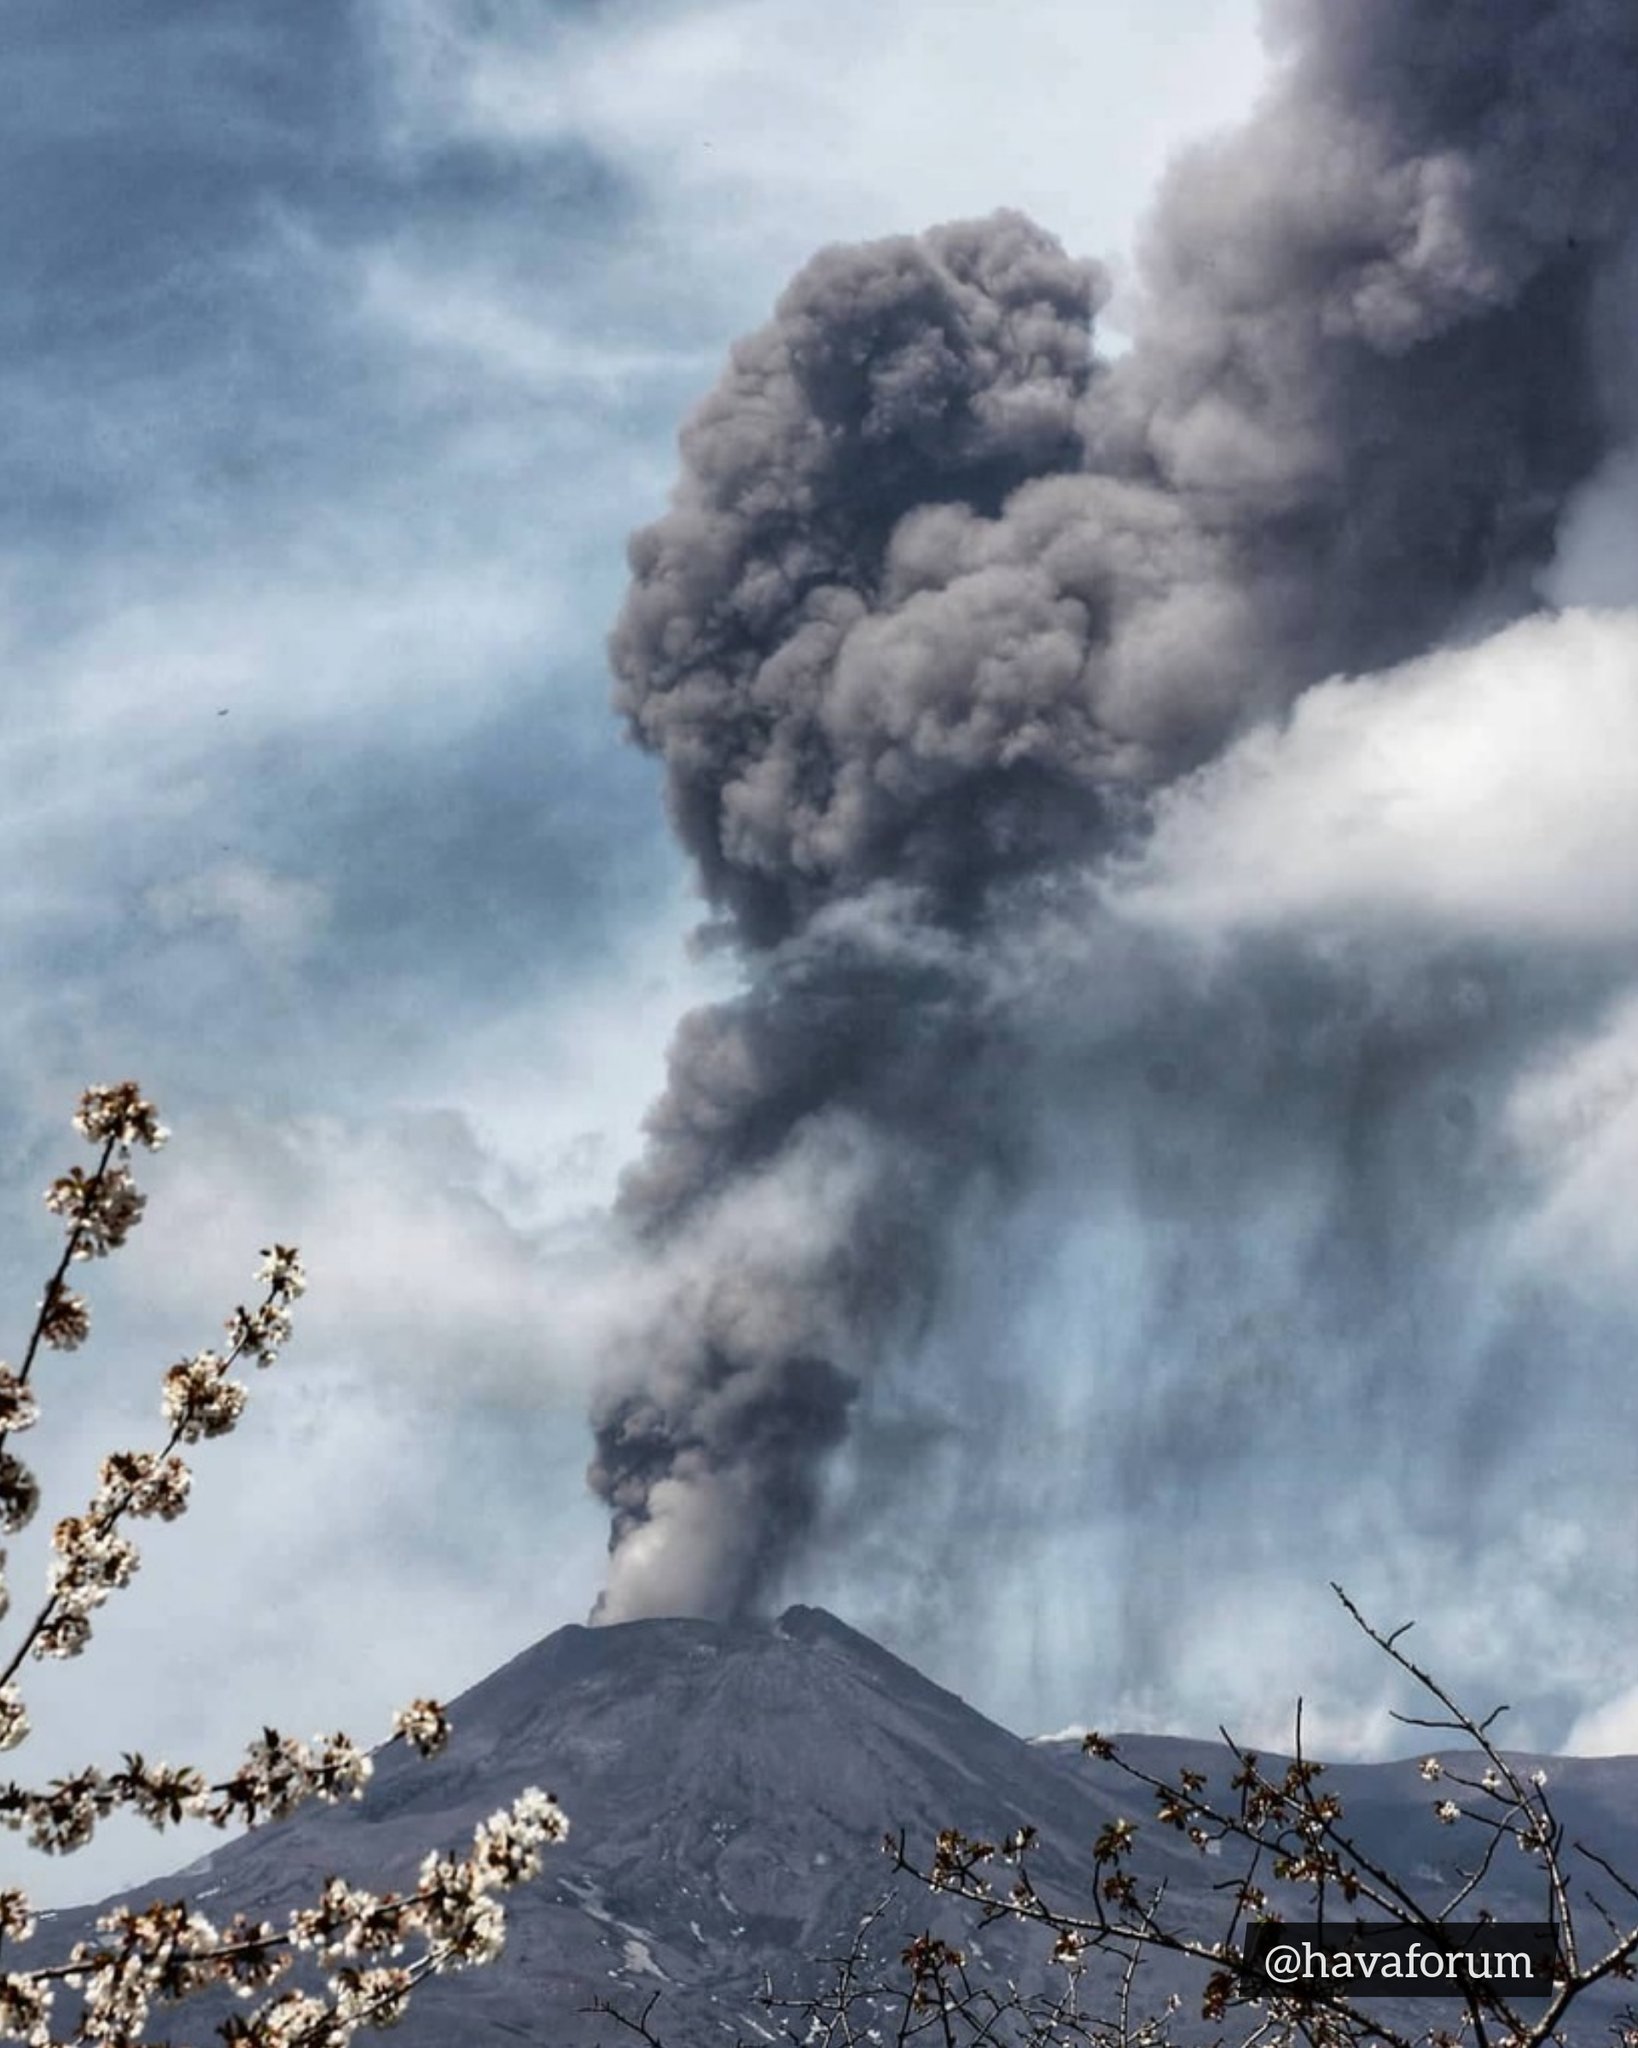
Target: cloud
[[757, 131], [1607, 1730], [1482, 793], [270, 915], [407, 1223]]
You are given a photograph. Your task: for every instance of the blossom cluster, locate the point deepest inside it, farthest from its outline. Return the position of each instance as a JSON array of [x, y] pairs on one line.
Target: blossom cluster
[[278, 1775], [102, 1208], [119, 1115], [373, 1948]]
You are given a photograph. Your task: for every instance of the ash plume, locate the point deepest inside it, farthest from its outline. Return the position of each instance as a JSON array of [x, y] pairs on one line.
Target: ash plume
[[949, 621]]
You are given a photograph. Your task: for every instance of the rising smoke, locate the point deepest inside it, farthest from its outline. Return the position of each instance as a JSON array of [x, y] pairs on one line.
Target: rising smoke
[[1071, 912]]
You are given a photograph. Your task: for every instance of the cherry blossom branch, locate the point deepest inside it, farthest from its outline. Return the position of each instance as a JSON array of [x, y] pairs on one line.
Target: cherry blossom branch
[[169, 1951]]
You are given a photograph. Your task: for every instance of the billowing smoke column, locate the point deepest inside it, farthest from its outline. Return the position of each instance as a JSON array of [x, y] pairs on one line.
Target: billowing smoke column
[[944, 606]]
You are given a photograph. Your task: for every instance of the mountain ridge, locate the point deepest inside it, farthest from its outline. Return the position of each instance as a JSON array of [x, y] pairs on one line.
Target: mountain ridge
[[729, 1787]]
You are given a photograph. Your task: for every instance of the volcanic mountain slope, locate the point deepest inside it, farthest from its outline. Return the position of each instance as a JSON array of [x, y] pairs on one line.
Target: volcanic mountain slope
[[729, 1788]]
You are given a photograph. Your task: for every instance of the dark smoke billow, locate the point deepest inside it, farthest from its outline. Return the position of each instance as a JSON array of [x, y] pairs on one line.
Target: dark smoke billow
[[943, 604]]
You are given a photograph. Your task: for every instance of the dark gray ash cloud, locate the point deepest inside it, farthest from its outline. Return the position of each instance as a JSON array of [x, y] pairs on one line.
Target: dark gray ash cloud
[[944, 605]]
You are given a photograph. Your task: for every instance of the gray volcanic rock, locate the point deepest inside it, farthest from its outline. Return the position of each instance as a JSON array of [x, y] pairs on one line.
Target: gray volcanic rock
[[729, 1788]]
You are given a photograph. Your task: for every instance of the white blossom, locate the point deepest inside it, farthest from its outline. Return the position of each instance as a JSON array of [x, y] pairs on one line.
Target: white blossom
[[119, 1111], [92, 1559], [16, 1915], [19, 1409], [13, 1717], [200, 1400], [281, 1271], [65, 1319], [142, 1483], [424, 1725], [101, 1209], [19, 1493], [25, 2010]]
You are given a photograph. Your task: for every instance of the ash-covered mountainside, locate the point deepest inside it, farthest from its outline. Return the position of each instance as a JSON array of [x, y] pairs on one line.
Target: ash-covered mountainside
[[729, 1787]]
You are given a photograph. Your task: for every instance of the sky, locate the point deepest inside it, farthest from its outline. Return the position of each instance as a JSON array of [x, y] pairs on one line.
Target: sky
[[345, 346]]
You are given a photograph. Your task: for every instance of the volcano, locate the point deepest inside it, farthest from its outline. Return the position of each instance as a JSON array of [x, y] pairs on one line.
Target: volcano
[[730, 1786]]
